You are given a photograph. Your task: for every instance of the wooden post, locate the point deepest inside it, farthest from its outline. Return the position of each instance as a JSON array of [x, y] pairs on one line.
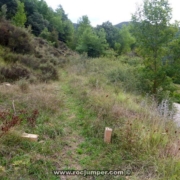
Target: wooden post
[[107, 135], [31, 137]]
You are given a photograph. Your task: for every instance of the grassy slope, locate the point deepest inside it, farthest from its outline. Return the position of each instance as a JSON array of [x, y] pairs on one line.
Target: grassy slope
[[142, 140], [73, 115]]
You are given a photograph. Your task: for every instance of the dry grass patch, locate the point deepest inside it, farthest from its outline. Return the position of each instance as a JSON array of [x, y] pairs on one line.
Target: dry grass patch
[[41, 96]]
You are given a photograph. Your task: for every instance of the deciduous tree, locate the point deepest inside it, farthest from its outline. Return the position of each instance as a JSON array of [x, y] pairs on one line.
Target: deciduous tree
[[20, 17], [153, 33]]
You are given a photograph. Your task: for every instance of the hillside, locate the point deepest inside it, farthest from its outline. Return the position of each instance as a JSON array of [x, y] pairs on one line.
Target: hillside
[[120, 25], [70, 115], [28, 57], [55, 103]]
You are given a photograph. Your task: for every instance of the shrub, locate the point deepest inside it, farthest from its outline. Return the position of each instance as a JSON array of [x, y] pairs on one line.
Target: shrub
[[14, 72], [48, 72], [126, 76], [11, 57], [30, 61], [176, 97], [16, 38], [10, 119], [23, 85]]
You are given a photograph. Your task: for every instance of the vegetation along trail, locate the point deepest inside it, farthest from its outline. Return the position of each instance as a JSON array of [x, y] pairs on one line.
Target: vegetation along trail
[[177, 115], [63, 84]]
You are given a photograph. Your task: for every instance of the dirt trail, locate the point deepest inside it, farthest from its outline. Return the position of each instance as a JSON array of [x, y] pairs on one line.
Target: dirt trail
[[177, 115]]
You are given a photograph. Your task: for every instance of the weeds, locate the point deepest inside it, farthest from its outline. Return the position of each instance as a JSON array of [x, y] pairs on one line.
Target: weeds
[[71, 121], [142, 130], [23, 85], [10, 120]]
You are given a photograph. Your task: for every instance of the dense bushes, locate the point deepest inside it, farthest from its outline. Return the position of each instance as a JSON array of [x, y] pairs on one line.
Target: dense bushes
[[24, 56], [48, 72], [14, 72], [126, 76], [17, 39], [26, 66]]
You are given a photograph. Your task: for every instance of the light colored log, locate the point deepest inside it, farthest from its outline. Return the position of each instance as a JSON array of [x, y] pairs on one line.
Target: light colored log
[[31, 137], [107, 135], [7, 84]]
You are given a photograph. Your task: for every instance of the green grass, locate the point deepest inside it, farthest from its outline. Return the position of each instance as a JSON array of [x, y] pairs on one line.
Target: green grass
[[138, 138], [73, 114]]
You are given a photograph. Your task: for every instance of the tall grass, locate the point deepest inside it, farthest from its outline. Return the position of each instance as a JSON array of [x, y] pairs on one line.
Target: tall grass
[[142, 131]]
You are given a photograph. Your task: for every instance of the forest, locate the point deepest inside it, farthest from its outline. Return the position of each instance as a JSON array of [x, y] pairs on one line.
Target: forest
[[137, 37], [67, 82]]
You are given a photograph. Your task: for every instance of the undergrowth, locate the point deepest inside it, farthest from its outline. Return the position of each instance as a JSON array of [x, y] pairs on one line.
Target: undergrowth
[[72, 116], [144, 135], [28, 57]]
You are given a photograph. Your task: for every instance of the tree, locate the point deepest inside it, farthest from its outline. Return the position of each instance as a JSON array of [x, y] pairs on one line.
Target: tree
[[38, 23], [20, 17], [153, 33], [173, 60], [3, 11], [111, 31], [83, 24], [68, 32], [60, 11], [124, 41], [11, 7], [90, 41], [51, 37], [30, 6]]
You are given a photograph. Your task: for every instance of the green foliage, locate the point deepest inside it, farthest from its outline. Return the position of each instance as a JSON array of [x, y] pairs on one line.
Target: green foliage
[[31, 6], [51, 37], [20, 17], [176, 97], [37, 22], [57, 23], [111, 33], [126, 76], [83, 23], [43, 9], [3, 11], [126, 40], [121, 40], [23, 85], [68, 32], [14, 72], [165, 86], [11, 7], [173, 60], [153, 32], [48, 72], [16, 38], [90, 41]]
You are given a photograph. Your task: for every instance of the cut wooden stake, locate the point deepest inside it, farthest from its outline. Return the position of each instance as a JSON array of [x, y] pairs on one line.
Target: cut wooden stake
[[13, 107], [31, 137], [8, 85], [107, 135]]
